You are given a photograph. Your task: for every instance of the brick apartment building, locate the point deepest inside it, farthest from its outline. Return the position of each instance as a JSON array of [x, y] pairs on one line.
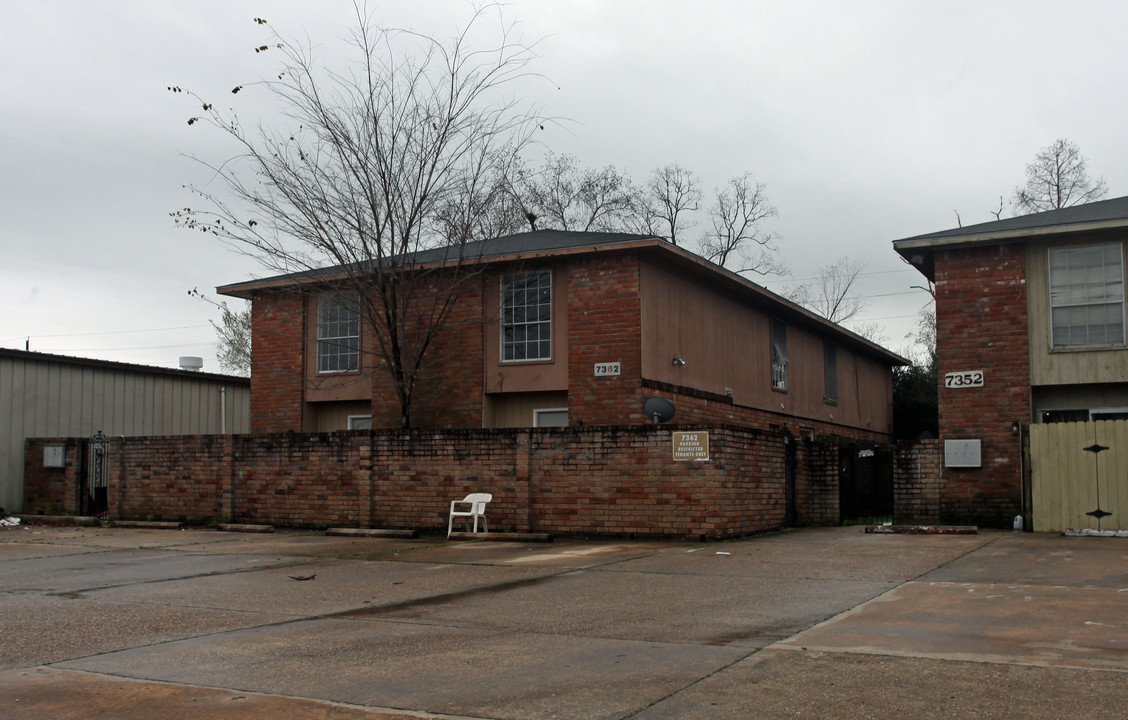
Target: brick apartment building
[[1030, 329], [570, 328]]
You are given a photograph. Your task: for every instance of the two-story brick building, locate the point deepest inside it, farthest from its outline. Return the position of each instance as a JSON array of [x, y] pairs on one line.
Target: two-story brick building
[[1030, 330], [559, 328]]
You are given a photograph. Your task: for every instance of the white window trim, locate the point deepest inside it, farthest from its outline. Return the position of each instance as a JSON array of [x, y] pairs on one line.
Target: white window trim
[[349, 422], [551, 318], [318, 339], [1050, 301], [537, 413]]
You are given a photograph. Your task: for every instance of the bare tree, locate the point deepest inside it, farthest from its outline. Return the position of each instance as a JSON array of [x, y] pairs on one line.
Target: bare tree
[[668, 201], [999, 212], [737, 240], [832, 293], [1057, 178], [564, 196], [370, 166]]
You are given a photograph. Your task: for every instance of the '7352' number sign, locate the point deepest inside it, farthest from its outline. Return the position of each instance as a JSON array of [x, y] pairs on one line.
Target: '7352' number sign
[[965, 379]]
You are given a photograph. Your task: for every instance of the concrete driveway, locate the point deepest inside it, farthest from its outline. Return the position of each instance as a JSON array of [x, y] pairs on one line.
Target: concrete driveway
[[114, 623]]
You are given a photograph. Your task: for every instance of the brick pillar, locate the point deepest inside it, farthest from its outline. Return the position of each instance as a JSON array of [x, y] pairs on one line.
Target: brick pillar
[[278, 362], [982, 324], [604, 325]]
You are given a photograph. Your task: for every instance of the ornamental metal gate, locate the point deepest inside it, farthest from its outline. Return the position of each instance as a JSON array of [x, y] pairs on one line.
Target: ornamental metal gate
[[96, 475]]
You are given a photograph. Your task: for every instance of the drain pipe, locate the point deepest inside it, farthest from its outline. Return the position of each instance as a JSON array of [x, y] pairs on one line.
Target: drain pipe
[[222, 410]]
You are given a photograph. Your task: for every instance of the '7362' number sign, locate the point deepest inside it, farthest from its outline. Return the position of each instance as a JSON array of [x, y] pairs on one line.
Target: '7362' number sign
[[965, 379]]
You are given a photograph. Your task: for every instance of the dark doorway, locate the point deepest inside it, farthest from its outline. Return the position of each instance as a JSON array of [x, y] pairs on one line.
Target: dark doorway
[[865, 482]]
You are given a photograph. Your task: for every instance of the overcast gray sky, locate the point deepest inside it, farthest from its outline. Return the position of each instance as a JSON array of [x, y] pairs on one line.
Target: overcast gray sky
[[868, 121]]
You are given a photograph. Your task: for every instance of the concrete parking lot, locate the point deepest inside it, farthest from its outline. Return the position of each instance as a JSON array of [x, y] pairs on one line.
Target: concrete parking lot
[[830, 623]]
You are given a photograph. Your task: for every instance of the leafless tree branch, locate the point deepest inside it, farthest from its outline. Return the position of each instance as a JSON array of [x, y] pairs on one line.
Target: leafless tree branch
[[408, 150]]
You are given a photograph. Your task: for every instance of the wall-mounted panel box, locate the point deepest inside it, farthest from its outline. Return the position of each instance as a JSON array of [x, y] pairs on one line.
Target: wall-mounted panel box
[[963, 453]]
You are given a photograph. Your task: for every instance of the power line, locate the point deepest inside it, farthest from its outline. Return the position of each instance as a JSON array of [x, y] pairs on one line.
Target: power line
[[137, 347], [109, 332], [764, 281]]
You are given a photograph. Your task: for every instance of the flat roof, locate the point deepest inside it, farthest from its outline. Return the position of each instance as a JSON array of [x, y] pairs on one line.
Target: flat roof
[[30, 356]]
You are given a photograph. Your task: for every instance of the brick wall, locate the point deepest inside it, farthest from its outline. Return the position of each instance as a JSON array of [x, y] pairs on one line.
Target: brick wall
[[817, 482], [277, 362], [52, 490], [591, 480], [450, 387], [916, 483], [982, 324]]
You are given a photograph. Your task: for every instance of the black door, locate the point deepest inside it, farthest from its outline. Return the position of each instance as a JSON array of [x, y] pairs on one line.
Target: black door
[[865, 482]]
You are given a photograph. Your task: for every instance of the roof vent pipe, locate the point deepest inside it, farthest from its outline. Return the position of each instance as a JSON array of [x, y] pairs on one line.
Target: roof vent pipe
[[191, 363]]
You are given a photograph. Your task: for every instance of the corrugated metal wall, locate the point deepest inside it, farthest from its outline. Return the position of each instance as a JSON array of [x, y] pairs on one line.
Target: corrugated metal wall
[[50, 396]]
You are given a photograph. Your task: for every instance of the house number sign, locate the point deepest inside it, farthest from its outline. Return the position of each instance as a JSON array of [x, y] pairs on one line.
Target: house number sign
[[605, 369], [964, 379]]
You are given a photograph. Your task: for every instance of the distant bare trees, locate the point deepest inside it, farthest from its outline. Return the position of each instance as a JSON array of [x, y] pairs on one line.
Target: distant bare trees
[[737, 239], [833, 294], [671, 196], [1058, 178], [561, 195], [565, 196]]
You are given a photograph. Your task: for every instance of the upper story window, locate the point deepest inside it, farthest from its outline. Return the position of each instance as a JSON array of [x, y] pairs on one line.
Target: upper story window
[[830, 372], [526, 316], [338, 335], [1087, 296], [779, 354]]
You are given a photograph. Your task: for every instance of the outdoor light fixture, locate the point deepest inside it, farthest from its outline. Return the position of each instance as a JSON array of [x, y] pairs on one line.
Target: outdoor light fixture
[[678, 362]]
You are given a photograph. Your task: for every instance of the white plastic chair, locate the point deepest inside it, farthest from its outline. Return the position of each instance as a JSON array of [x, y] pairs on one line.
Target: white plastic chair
[[477, 503]]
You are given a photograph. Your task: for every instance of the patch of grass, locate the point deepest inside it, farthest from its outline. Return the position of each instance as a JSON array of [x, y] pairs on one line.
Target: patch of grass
[[870, 520]]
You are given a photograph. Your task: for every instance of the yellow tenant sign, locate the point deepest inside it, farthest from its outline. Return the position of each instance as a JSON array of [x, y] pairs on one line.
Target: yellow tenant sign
[[693, 446]]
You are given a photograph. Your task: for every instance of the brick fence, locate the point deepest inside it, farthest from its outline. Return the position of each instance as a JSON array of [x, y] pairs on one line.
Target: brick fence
[[591, 480]]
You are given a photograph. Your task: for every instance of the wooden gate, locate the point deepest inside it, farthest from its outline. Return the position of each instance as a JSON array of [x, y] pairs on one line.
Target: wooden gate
[[1079, 475]]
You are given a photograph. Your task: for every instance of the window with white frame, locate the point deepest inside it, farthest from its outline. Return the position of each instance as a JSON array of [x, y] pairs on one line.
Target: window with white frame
[[550, 417], [779, 354], [1087, 296], [338, 335], [360, 422], [526, 316]]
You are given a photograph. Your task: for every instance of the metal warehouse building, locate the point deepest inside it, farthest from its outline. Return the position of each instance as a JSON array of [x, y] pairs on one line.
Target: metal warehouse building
[[47, 396]]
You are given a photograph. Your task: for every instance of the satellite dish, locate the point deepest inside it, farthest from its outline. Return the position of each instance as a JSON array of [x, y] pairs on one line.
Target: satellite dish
[[658, 409]]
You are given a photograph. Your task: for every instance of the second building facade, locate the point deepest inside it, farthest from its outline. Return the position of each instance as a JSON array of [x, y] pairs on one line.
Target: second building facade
[[570, 328]]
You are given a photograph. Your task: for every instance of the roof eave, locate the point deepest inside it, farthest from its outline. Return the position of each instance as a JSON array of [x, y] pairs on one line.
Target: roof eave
[[918, 251], [957, 240], [246, 290], [655, 244]]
